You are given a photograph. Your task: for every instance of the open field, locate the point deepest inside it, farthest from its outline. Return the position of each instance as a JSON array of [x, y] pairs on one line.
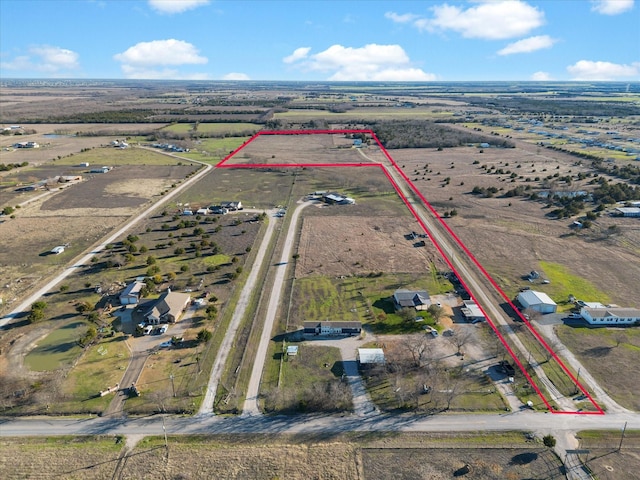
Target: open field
[[264, 457], [510, 236], [606, 353], [605, 460], [59, 457], [218, 128]]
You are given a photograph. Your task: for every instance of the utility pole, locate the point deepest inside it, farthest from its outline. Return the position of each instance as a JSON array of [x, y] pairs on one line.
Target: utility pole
[[173, 387], [578, 380], [622, 436]]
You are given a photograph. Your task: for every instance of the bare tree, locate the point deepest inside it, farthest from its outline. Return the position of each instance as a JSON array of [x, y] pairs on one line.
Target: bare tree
[[418, 347], [459, 339], [620, 337]]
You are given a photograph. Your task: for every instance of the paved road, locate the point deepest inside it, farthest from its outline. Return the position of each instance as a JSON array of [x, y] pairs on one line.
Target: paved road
[[238, 315], [251, 403], [212, 424], [111, 238]]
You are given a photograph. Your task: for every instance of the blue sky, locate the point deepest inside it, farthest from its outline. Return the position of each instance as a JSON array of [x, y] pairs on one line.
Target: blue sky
[[448, 40]]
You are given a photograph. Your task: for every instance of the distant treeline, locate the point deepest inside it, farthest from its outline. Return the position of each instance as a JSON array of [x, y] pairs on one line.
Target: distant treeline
[[555, 106], [425, 134]]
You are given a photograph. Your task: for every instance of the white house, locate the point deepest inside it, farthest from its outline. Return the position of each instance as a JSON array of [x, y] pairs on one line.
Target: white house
[[538, 301], [610, 316]]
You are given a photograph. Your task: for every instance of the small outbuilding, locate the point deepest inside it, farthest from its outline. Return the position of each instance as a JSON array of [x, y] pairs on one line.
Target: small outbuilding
[[471, 311], [371, 356], [292, 350], [538, 301]]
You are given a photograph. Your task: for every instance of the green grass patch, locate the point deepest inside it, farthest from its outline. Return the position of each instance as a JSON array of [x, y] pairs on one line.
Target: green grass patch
[[59, 349], [564, 283], [215, 260], [116, 156], [363, 298], [102, 366], [214, 149]]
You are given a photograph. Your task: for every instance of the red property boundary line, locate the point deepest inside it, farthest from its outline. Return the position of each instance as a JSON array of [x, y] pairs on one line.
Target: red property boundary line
[[223, 164]]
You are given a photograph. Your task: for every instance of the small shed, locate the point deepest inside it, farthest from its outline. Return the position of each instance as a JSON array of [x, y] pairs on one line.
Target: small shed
[[57, 250], [292, 350], [371, 356]]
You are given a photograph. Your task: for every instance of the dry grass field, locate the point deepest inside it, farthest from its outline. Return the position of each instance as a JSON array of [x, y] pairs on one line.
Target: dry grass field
[[605, 460], [510, 236], [268, 457]]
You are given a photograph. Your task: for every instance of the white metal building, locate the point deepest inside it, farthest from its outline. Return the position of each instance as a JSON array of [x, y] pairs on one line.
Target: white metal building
[[539, 301], [370, 356]]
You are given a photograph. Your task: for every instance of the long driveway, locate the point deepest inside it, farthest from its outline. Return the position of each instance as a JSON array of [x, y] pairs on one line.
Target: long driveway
[[238, 315], [251, 403]]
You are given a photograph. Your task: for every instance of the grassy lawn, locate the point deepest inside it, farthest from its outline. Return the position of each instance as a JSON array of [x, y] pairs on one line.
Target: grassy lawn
[[214, 149], [456, 391], [59, 349], [563, 283], [102, 366], [310, 382], [607, 353], [365, 299]]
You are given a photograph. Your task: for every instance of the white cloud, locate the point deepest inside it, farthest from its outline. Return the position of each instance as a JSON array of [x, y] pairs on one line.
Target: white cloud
[[541, 77], [175, 6], [527, 45], [611, 7], [45, 59], [490, 20], [401, 18], [369, 63], [589, 70], [141, 60], [236, 76], [298, 54]]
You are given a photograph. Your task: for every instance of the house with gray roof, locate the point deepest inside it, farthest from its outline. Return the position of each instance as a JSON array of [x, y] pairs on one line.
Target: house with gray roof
[[418, 299]]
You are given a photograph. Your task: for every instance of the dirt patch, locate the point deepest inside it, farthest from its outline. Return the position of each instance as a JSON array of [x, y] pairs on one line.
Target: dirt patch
[[346, 245]]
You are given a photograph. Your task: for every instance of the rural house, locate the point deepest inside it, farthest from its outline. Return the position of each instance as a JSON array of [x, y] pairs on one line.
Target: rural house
[[538, 301], [231, 206], [131, 294], [168, 308], [332, 328], [418, 299], [611, 316]]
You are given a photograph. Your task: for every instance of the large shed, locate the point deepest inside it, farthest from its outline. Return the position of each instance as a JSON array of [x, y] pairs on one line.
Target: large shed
[[538, 301]]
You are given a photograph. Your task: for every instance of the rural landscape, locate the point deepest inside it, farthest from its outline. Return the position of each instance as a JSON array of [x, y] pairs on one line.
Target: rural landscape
[[346, 280]]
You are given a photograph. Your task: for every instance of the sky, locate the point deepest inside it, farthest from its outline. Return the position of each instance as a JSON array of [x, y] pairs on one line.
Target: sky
[[324, 40]]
